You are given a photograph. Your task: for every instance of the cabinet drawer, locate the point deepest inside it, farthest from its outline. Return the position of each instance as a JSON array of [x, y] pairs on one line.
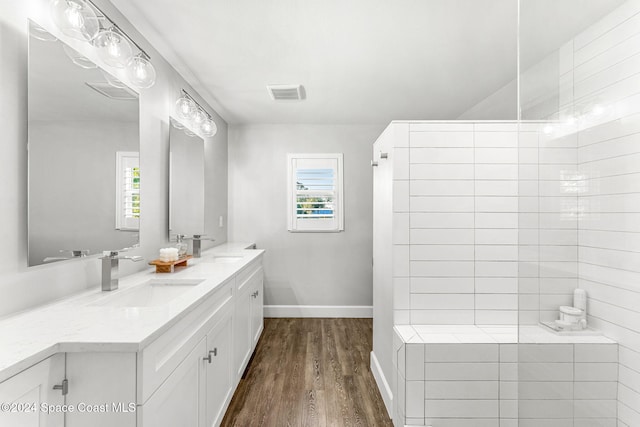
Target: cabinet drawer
[[158, 360]]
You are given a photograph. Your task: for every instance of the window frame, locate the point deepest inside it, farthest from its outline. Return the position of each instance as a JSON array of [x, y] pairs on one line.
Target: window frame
[[298, 225], [124, 159]]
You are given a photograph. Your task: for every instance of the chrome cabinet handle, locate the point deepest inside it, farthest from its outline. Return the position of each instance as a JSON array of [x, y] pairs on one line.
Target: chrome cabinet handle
[[373, 163], [64, 387], [213, 352], [384, 155]]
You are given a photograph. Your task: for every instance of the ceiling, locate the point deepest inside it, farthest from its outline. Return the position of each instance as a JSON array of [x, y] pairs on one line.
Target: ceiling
[[360, 61]]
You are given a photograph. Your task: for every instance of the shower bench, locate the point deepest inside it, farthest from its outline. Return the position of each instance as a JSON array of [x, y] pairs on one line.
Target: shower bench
[[488, 376]]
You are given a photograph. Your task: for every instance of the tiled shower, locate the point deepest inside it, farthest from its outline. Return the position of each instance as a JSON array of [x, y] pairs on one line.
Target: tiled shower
[[495, 224]]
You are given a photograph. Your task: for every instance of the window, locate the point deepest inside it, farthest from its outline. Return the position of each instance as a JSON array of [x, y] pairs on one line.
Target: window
[[127, 190], [315, 193]]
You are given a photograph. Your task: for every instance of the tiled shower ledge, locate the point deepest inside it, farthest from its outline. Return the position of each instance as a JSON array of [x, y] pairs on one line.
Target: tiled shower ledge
[[500, 334]]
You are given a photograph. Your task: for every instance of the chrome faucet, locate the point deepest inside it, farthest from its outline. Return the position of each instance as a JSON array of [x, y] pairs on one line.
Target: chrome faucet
[[110, 261], [197, 244]]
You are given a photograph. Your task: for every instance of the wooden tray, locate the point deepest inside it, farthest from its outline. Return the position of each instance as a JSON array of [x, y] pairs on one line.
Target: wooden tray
[[169, 266]]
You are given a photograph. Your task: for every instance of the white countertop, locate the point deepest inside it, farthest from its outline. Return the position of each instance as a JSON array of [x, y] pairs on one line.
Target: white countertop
[[79, 324], [499, 334]]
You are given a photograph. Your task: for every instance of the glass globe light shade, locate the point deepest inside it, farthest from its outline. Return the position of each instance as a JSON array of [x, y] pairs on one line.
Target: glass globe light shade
[[75, 18], [113, 81], [113, 48], [198, 118], [77, 58], [208, 128], [141, 72], [185, 109]]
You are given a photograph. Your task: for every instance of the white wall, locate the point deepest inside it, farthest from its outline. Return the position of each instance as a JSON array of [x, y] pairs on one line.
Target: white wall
[[539, 95], [23, 287], [456, 224], [500, 105], [72, 175], [393, 141], [603, 67], [325, 269], [595, 154]]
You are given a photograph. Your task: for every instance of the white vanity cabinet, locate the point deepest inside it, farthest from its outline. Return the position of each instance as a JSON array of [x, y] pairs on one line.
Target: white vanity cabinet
[[257, 309], [185, 376], [248, 319], [193, 390], [188, 375], [26, 392], [180, 399], [220, 381]]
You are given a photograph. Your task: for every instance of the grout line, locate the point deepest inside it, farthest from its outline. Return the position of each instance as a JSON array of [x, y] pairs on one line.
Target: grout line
[[475, 317]]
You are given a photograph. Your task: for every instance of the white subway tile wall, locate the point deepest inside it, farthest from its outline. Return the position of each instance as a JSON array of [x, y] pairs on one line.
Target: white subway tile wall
[[602, 70], [463, 223], [500, 226]]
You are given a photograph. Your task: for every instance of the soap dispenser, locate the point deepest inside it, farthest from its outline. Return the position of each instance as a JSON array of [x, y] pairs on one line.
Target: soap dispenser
[[181, 245], [580, 302]]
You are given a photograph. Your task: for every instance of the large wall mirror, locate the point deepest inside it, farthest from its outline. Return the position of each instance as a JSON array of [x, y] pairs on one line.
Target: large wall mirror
[[84, 168], [186, 172]]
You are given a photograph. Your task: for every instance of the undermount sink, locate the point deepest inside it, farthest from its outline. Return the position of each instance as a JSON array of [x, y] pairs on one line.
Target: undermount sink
[[153, 293], [224, 258]]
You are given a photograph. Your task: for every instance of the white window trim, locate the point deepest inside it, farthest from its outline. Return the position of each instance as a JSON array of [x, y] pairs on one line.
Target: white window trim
[[122, 158], [292, 223]]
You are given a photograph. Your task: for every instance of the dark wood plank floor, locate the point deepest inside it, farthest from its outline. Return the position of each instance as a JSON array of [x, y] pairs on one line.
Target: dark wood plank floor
[[307, 373]]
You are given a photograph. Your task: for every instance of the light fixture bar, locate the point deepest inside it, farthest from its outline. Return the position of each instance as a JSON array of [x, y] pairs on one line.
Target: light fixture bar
[[185, 93], [105, 16]]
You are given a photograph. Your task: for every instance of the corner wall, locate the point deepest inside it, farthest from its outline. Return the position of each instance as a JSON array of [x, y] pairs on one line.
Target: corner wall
[[603, 67], [306, 274], [598, 107]]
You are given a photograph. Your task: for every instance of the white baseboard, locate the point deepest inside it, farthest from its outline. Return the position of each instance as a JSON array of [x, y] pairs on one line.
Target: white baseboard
[[383, 385], [347, 311]]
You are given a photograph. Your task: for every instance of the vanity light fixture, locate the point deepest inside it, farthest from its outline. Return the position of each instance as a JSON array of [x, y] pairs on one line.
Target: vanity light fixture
[[185, 108], [141, 72], [209, 128], [75, 18], [113, 48], [195, 118], [83, 20]]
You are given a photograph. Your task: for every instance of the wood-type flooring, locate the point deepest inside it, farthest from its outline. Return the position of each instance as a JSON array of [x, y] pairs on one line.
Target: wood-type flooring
[[308, 373]]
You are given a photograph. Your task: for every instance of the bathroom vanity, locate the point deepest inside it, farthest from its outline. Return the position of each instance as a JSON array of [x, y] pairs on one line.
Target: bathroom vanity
[[162, 350]]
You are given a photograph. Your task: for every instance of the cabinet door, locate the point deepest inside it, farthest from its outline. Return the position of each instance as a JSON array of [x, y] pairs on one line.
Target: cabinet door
[[219, 369], [257, 310], [242, 329], [106, 381], [179, 400], [27, 391]]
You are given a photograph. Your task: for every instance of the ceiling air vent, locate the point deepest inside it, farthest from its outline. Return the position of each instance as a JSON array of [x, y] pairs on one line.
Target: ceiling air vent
[[286, 92], [112, 92]]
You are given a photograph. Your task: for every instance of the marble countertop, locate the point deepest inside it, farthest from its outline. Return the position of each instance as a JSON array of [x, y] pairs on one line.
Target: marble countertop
[[498, 334], [81, 323]]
